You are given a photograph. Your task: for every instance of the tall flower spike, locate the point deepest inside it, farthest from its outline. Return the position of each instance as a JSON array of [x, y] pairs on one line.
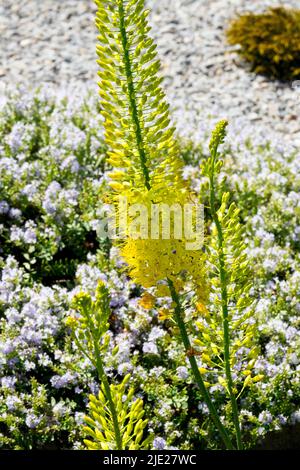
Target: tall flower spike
[[99, 423], [148, 169], [143, 152], [227, 334], [115, 420]]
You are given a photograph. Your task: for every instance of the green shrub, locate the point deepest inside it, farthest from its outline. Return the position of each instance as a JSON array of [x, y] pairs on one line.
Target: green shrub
[[269, 41]]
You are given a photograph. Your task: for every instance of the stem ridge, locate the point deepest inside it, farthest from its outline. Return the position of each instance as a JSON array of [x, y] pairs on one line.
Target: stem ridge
[[132, 97]]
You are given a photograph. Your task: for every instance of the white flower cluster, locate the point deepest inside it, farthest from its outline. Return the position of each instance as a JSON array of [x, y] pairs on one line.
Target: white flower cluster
[[50, 197]]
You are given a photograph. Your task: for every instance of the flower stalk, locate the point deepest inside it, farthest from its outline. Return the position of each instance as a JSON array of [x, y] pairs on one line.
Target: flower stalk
[[115, 420], [93, 329], [132, 96], [104, 380], [178, 315], [142, 149]]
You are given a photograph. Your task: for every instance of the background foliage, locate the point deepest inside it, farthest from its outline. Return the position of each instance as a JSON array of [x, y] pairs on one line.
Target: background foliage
[[52, 176]]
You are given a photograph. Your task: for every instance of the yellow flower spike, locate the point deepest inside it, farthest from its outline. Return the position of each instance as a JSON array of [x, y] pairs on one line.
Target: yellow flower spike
[[117, 175], [247, 381], [198, 342], [164, 314], [137, 127], [258, 378], [147, 301], [222, 382], [200, 326], [71, 322], [206, 336], [206, 359], [118, 187], [201, 308], [152, 169]]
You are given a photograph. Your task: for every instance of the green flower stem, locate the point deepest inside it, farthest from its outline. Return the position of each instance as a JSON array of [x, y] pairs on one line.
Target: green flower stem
[[224, 296], [198, 378], [132, 96], [103, 378]]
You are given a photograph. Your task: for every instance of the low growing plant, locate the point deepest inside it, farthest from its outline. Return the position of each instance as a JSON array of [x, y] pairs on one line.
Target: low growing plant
[[262, 178]]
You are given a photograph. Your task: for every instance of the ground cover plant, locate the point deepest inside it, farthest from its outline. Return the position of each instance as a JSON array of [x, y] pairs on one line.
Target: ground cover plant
[[78, 309], [269, 41]]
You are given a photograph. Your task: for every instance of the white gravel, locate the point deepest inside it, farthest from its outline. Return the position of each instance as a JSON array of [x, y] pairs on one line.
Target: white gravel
[[54, 41]]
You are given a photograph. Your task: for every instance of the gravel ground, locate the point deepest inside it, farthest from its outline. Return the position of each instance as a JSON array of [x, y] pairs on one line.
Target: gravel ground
[[53, 41]]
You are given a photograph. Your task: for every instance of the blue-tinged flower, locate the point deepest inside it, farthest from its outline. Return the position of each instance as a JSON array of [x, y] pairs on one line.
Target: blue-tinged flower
[[70, 163], [4, 207], [29, 365], [156, 333], [79, 417], [7, 347], [30, 190], [117, 301], [15, 213], [182, 372], [13, 315], [62, 381], [8, 382], [125, 368], [265, 417], [12, 402], [32, 421], [159, 443], [20, 136], [295, 418], [59, 409], [157, 371], [150, 348]]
